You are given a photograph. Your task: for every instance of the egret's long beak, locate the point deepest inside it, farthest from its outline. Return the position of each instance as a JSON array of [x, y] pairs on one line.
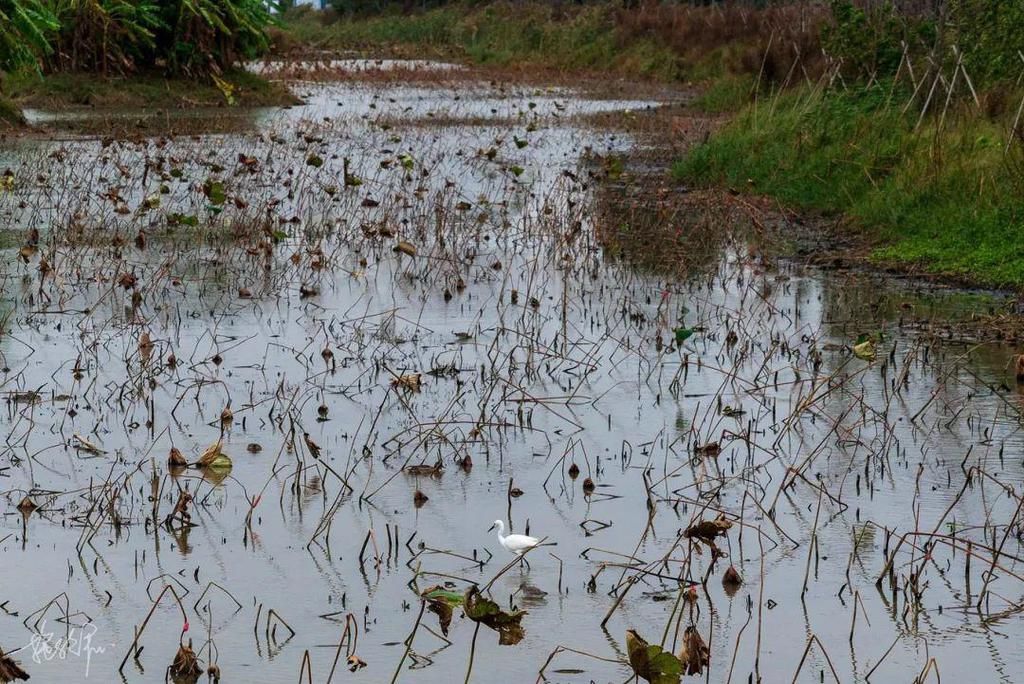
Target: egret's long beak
[[491, 528]]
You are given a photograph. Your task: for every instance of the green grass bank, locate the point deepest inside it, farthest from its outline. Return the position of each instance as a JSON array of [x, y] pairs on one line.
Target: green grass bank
[[662, 42], [531, 35], [943, 194]]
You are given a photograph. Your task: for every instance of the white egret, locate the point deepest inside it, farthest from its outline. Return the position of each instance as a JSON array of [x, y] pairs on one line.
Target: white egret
[[516, 543]]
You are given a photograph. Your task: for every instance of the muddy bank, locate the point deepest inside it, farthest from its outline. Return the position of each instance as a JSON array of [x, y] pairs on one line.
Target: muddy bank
[[670, 224], [64, 91], [142, 104]]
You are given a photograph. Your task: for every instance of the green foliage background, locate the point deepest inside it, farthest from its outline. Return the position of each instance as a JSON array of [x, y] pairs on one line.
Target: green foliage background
[[181, 37]]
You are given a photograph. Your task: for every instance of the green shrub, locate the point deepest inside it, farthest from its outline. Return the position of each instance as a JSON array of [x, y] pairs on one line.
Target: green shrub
[[192, 37], [25, 26], [991, 35]]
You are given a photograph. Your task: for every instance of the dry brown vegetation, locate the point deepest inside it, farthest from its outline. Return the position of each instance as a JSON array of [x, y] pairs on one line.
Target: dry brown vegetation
[[734, 37]]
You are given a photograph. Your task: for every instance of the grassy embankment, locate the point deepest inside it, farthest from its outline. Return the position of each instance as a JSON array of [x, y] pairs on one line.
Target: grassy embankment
[[663, 43], [943, 195], [530, 35], [929, 163]]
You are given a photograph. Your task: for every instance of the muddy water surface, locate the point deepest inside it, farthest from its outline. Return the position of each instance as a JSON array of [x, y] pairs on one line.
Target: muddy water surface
[[408, 275]]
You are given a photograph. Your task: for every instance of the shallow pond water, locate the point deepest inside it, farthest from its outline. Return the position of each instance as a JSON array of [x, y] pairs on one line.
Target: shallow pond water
[[304, 273]]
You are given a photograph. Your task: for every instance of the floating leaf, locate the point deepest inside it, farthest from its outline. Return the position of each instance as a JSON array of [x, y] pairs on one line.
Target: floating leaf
[[222, 462], [440, 601], [183, 219], [214, 458], [707, 530], [485, 611], [682, 334], [214, 191], [864, 348], [315, 161], [650, 662], [439, 593]]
